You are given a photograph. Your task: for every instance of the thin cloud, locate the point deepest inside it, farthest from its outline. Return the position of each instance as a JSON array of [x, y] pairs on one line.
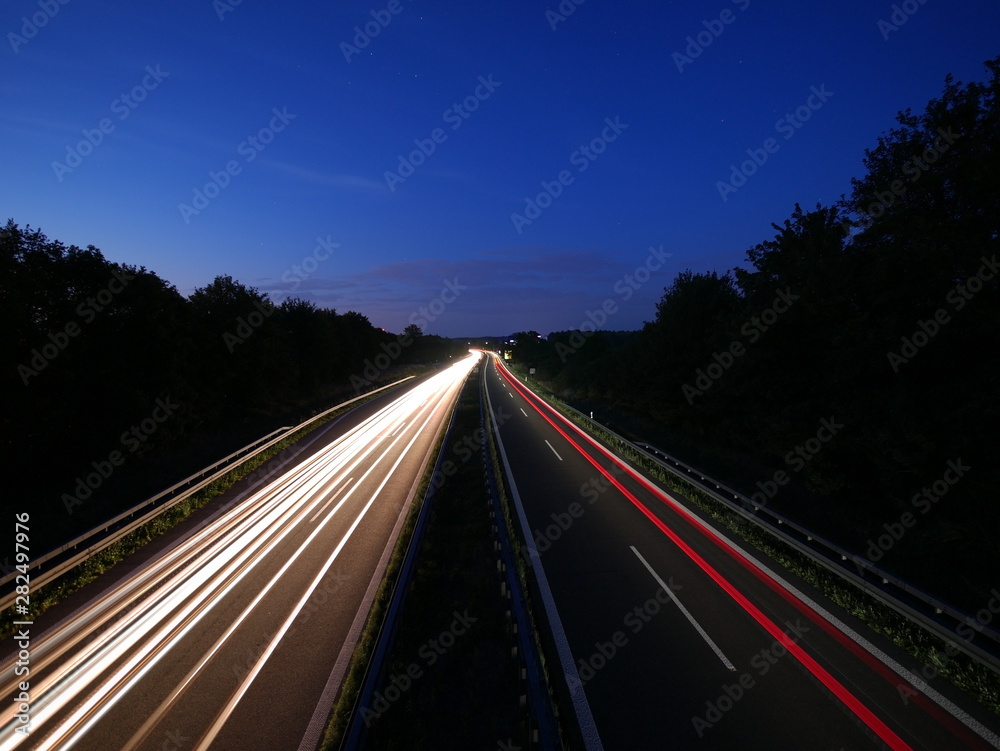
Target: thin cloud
[[500, 289], [352, 182]]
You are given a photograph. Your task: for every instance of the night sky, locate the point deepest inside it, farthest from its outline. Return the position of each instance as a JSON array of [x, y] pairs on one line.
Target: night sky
[[275, 143]]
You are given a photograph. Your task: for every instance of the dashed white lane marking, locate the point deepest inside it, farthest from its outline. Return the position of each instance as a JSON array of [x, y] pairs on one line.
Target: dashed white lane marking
[[684, 610], [553, 450]]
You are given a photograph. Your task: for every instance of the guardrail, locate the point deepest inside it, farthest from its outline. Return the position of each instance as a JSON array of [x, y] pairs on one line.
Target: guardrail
[[929, 611], [543, 732], [100, 536], [935, 615], [375, 671]]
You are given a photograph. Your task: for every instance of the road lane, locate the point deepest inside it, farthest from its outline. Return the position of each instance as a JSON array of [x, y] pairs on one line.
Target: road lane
[[220, 639], [798, 680]]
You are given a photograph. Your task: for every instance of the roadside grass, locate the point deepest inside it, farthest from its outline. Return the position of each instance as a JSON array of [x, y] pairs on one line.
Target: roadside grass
[[561, 703], [452, 688], [347, 696], [104, 560]]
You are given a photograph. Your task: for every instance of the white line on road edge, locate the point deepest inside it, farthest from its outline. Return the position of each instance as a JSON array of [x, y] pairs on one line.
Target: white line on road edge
[[585, 718], [220, 719], [317, 724], [140, 736], [916, 681], [553, 450], [684, 610]]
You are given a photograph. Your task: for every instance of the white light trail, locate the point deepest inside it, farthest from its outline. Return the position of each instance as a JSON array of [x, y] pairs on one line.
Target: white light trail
[[83, 667]]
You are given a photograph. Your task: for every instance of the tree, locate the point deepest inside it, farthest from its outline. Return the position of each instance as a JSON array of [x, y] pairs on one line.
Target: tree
[[695, 318]]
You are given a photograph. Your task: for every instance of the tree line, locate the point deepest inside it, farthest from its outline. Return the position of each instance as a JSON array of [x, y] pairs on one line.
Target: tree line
[[878, 313], [116, 385]]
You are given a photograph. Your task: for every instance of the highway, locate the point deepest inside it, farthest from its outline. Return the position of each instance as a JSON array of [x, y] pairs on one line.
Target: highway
[[237, 634], [670, 634]]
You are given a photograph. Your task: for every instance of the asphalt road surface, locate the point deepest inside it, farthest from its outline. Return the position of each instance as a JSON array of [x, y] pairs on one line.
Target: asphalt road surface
[[671, 635]]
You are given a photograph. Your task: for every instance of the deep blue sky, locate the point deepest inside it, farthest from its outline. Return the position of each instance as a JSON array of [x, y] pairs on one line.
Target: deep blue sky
[[323, 174]]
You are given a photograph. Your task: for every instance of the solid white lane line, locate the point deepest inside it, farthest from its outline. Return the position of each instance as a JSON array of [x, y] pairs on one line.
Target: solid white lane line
[[581, 707], [553, 450], [684, 610]]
